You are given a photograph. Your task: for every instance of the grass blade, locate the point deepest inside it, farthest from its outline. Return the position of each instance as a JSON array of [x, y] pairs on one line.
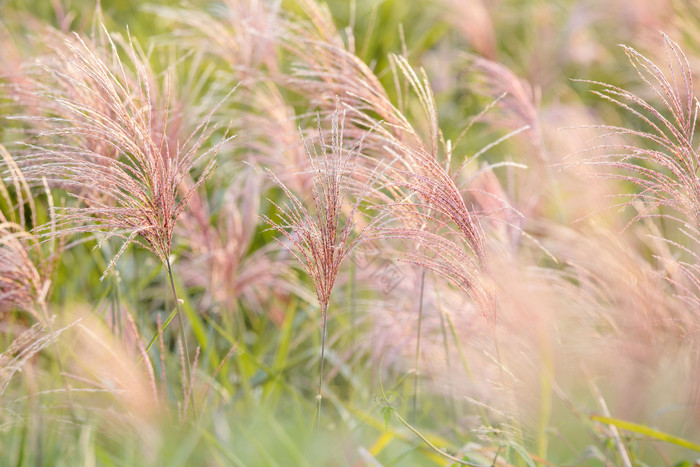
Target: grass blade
[[155, 336], [646, 431]]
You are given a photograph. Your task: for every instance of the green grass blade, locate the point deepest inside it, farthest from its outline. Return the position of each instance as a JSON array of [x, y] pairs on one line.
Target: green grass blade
[[646, 431], [522, 452], [155, 336]]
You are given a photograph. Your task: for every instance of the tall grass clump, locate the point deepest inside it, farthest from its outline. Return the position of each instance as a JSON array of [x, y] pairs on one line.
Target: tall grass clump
[[322, 238], [661, 159], [421, 183], [110, 132]]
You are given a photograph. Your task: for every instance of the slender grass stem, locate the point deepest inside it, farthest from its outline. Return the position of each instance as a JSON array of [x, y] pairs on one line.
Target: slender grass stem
[[183, 336], [59, 361], [116, 300], [431, 445], [418, 433], [418, 335], [546, 372], [448, 362], [117, 314], [319, 397]]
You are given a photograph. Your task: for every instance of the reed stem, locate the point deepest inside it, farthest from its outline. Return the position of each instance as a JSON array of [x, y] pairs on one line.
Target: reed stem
[[183, 336], [418, 334], [319, 397]]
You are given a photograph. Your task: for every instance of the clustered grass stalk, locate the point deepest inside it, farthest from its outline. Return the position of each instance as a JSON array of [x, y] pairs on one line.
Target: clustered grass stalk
[[418, 337], [322, 238], [319, 396], [183, 336], [662, 159], [418, 188], [106, 136]]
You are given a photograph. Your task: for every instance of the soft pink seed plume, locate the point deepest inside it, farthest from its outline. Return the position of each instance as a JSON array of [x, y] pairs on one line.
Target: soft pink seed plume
[[105, 137], [661, 158], [25, 268], [322, 238]]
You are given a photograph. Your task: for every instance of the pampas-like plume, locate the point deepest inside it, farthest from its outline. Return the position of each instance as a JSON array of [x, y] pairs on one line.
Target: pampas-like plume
[[666, 171], [664, 163], [320, 240], [107, 140], [421, 191], [108, 137], [24, 268], [417, 172]]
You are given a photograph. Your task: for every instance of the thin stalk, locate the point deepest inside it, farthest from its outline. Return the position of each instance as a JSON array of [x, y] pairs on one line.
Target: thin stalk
[[546, 372], [188, 369], [64, 377], [448, 363], [354, 321], [431, 445], [624, 455], [320, 375], [351, 299], [116, 302], [116, 306], [420, 322]]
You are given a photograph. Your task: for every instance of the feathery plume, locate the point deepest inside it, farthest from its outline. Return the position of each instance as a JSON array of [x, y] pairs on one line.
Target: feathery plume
[[25, 270], [106, 140], [664, 162], [321, 239], [419, 187], [113, 141], [666, 170]]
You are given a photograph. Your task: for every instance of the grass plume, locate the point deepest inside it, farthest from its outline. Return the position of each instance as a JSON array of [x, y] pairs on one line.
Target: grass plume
[[322, 238]]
